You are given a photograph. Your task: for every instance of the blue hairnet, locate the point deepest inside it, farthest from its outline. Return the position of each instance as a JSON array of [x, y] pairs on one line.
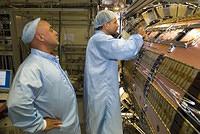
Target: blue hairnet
[[29, 31], [103, 17]]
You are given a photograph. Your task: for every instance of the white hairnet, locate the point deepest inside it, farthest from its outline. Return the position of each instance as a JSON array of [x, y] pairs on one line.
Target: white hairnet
[[103, 17], [29, 31]]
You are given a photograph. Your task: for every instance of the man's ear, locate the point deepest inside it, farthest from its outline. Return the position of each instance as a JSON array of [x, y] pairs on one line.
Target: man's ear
[[40, 37], [105, 26]]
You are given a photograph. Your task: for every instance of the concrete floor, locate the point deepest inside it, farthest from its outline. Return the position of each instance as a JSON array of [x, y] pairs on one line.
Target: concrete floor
[[81, 113]]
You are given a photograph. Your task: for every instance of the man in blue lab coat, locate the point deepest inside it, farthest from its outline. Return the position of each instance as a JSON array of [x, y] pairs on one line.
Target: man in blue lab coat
[[42, 99], [101, 87]]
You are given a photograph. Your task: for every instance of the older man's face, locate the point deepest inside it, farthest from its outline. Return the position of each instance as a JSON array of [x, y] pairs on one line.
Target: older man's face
[[112, 26], [49, 35]]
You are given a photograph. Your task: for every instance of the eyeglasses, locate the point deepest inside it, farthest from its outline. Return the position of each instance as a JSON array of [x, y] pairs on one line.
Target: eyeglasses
[[51, 29]]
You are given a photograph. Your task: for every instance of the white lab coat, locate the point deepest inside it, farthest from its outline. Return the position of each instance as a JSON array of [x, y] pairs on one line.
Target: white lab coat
[[101, 87], [42, 89]]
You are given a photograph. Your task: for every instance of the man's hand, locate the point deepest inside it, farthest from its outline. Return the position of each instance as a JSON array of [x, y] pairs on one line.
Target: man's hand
[[52, 123]]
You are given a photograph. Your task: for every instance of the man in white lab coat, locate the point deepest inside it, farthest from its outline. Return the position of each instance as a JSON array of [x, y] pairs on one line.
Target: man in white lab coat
[[42, 99], [101, 87]]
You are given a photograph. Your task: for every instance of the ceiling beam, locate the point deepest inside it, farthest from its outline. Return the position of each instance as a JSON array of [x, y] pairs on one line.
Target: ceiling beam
[[48, 9], [137, 6]]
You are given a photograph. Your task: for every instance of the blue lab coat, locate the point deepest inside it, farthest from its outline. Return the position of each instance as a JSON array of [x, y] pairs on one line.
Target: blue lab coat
[[42, 89], [101, 86]]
